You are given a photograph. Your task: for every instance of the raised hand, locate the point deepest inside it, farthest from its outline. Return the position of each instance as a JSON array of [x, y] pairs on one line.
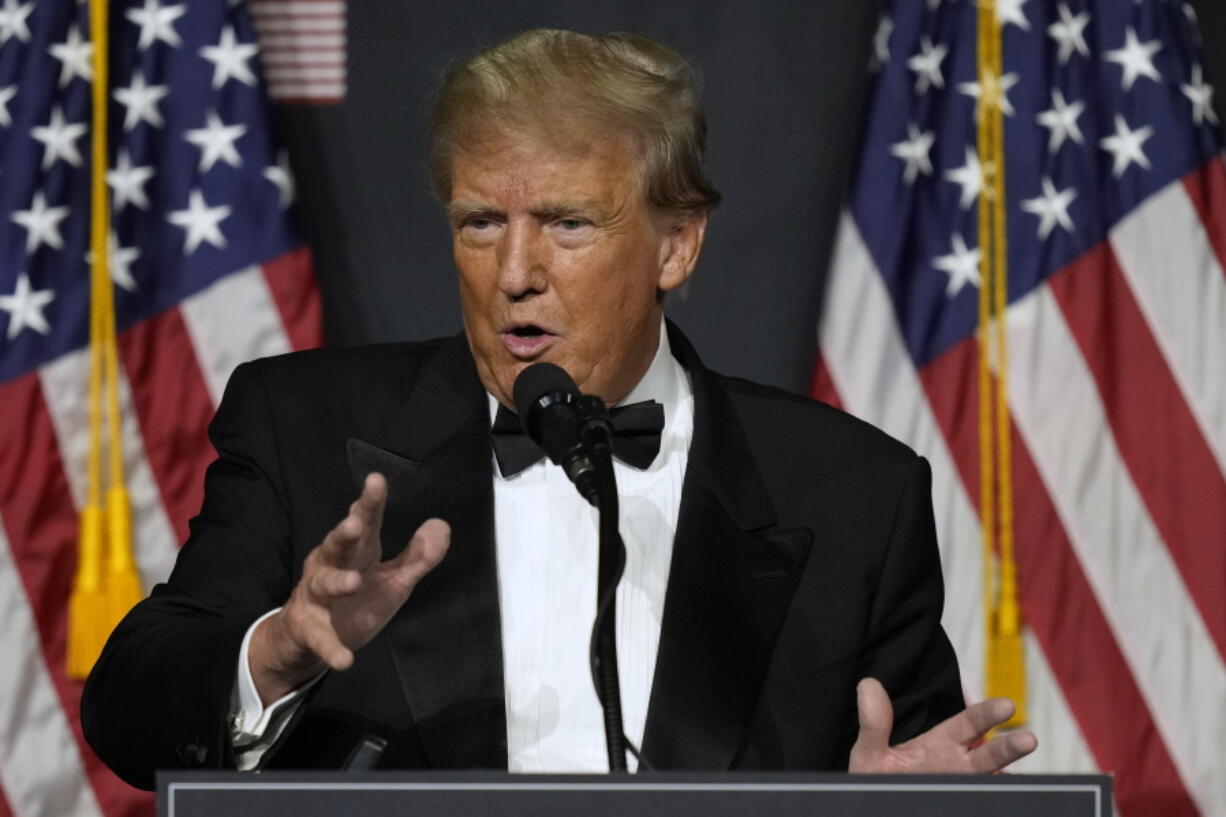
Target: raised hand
[[947, 748], [344, 597]]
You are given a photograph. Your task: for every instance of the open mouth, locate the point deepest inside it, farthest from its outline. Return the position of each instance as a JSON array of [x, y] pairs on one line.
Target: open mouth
[[526, 340]]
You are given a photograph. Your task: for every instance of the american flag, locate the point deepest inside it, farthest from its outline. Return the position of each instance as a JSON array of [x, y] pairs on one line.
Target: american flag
[[207, 273], [304, 45], [1116, 380]]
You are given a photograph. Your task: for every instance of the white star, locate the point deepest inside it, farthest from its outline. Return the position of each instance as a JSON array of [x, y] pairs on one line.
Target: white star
[[970, 177], [42, 223], [75, 56], [13, 21], [1061, 119], [229, 58], [59, 139], [216, 141], [994, 92], [1201, 95], [279, 174], [156, 23], [1125, 146], [141, 101], [1069, 33], [927, 65], [128, 183], [1010, 11], [119, 262], [881, 42], [1051, 208], [1136, 58], [5, 95], [914, 151], [962, 266], [201, 222], [25, 307]]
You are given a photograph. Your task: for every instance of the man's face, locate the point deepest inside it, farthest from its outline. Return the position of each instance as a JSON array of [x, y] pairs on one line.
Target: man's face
[[561, 258]]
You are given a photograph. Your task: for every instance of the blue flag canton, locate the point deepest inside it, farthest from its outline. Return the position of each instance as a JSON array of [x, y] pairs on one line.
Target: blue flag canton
[[1104, 103], [197, 188]]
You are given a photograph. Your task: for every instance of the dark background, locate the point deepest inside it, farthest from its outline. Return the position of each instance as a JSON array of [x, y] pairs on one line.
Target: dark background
[[785, 85]]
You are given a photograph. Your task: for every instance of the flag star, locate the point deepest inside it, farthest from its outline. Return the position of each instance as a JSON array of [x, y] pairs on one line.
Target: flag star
[[927, 65], [1069, 33], [59, 139], [1061, 119], [216, 142], [1201, 95], [1136, 58], [229, 58], [128, 182], [1051, 208], [970, 177], [914, 151], [962, 266], [42, 223], [75, 56], [1125, 146], [1010, 11], [994, 92], [201, 222], [5, 95], [141, 101], [156, 23], [279, 174], [119, 262], [13, 21], [881, 42], [25, 307]]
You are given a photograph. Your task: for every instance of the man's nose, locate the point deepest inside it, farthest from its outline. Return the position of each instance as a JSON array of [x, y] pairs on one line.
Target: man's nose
[[522, 260]]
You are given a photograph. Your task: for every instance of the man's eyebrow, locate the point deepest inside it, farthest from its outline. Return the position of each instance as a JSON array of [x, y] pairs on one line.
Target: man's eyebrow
[[458, 211], [570, 207]]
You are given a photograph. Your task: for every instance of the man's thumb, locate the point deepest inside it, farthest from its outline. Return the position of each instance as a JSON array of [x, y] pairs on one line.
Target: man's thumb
[[876, 717], [426, 549]]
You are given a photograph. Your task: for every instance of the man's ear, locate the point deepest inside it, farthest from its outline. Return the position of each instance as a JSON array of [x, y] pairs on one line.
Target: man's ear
[[680, 248]]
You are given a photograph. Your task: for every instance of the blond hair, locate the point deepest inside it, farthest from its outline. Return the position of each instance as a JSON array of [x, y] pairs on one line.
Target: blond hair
[[562, 85]]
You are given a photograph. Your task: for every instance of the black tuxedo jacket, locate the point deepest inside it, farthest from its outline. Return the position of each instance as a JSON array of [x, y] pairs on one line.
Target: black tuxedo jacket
[[805, 559]]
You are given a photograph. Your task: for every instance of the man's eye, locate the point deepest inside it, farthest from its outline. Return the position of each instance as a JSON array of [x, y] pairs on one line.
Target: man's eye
[[478, 223], [572, 223]]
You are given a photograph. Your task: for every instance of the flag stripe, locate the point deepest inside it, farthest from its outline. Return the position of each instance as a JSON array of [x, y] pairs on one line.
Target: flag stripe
[[322, 75], [1157, 436], [1207, 190], [293, 289], [289, 56], [1061, 747], [265, 8], [272, 41], [232, 320], [1172, 656], [308, 23], [169, 395], [1182, 292], [64, 389]]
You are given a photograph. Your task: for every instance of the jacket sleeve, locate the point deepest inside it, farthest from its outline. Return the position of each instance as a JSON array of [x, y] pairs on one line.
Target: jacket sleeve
[[159, 695], [906, 648]]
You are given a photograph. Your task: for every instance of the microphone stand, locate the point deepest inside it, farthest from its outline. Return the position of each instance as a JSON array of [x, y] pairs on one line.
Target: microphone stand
[[596, 433]]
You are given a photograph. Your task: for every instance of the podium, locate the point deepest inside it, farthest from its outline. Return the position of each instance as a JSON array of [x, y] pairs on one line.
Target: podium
[[498, 794]]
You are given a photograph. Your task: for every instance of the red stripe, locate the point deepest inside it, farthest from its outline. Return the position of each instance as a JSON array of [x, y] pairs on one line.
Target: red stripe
[[299, 99], [41, 523], [1053, 591], [173, 405], [823, 388], [1207, 189], [5, 809], [1157, 435], [291, 279]]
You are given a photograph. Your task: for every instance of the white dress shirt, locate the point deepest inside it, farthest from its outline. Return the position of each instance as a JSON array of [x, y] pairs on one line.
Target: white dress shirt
[[547, 549]]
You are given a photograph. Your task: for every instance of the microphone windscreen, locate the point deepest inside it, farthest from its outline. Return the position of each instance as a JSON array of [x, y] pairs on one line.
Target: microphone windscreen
[[537, 381]]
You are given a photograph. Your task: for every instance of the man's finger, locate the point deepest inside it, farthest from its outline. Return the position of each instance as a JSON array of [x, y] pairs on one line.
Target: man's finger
[[1002, 750], [976, 720], [323, 641], [369, 505], [876, 718], [425, 550], [326, 582]]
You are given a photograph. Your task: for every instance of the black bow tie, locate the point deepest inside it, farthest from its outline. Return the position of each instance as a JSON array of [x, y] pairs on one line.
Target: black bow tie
[[636, 437]]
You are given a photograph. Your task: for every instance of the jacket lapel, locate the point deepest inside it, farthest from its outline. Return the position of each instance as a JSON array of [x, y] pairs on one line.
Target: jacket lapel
[[731, 582], [446, 640]]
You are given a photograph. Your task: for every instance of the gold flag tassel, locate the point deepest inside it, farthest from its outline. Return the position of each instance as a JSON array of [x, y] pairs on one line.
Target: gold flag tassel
[[1006, 668], [106, 584]]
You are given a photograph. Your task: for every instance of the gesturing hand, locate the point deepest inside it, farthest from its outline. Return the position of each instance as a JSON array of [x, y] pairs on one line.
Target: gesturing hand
[[945, 748], [344, 597]]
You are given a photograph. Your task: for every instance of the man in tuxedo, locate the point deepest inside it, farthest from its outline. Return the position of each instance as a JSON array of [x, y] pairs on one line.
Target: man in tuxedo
[[782, 600]]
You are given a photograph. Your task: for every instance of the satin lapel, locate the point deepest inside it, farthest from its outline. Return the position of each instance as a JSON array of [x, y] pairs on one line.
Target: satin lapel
[[446, 640], [730, 585]]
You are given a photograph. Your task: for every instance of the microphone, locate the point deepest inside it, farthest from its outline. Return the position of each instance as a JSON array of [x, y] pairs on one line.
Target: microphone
[[573, 429]]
